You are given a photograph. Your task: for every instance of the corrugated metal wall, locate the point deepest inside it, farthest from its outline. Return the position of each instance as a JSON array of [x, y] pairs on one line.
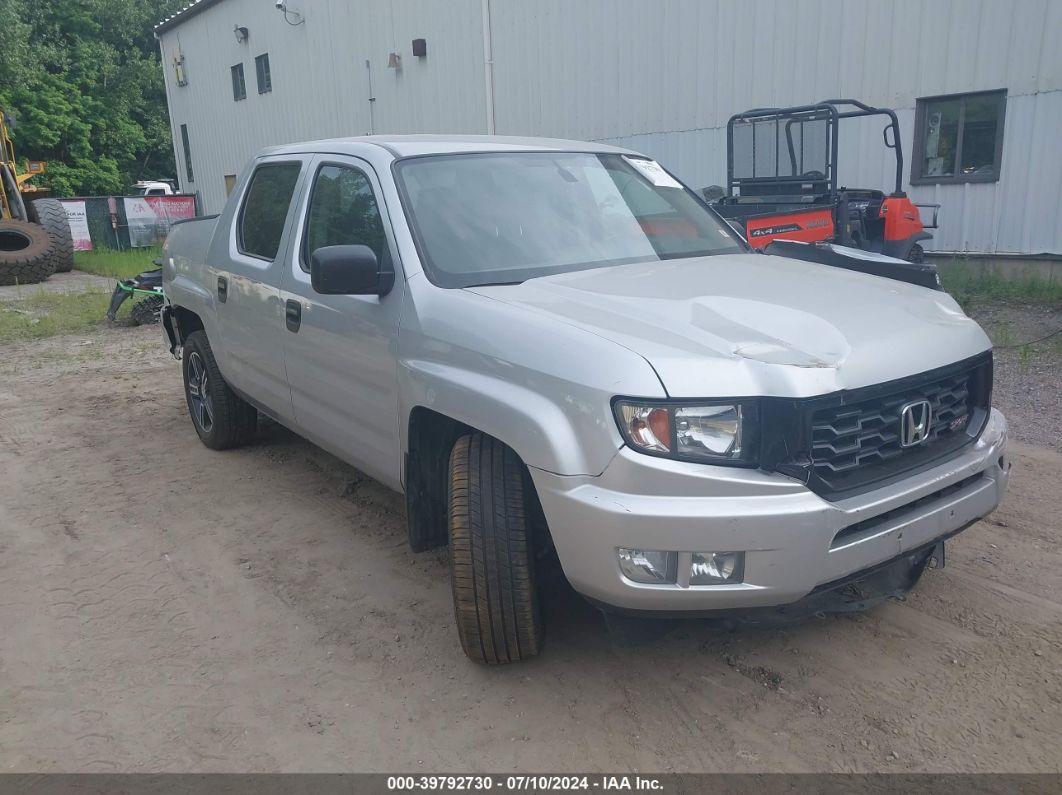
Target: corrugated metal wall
[[664, 78], [660, 77], [320, 80]]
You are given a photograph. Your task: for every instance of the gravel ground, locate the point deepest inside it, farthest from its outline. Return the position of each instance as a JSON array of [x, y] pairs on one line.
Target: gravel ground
[[1027, 377], [72, 282]]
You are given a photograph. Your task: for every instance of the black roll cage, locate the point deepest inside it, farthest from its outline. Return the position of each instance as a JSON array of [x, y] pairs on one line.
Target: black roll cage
[[833, 110]]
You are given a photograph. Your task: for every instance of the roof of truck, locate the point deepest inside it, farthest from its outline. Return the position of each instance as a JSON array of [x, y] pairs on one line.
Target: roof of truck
[[411, 145]]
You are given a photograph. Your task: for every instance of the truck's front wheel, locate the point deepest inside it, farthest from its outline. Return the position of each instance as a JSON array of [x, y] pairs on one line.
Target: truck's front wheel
[[491, 552], [221, 418]]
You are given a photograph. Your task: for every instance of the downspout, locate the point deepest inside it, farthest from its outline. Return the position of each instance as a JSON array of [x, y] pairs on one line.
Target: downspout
[[372, 99], [488, 66], [169, 109]]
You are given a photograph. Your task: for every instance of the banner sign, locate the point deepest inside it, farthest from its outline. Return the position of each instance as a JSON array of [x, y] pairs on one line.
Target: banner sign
[[149, 217], [77, 215]]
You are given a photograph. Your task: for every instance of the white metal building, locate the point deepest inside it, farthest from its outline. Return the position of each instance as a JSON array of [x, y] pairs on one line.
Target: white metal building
[[660, 77]]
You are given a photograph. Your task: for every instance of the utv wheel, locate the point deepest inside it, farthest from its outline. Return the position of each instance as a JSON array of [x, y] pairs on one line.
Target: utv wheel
[[50, 214], [221, 418], [916, 255], [146, 311], [491, 552]]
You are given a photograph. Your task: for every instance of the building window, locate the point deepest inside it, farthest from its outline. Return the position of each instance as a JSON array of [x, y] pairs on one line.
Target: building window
[[239, 86], [261, 68], [187, 152], [265, 206], [230, 184], [959, 138]]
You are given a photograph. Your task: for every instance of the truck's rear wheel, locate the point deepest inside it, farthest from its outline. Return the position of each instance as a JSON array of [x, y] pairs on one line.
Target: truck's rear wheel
[[220, 416], [491, 552], [26, 253]]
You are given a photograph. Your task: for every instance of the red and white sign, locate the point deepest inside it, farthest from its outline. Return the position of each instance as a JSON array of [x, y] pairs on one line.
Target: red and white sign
[[78, 218], [149, 217]]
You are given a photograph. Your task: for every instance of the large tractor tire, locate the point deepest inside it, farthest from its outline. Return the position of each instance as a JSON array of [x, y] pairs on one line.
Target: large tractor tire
[[492, 558], [50, 214], [27, 253]]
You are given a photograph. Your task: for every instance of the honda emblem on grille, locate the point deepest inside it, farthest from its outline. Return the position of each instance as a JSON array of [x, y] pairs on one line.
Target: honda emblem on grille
[[915, 419]]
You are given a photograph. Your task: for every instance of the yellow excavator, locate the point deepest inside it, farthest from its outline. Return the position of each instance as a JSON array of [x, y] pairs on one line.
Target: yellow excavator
[[35, 239]]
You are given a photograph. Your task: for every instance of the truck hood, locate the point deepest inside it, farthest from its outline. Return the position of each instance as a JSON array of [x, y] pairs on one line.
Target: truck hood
[[751, 324]]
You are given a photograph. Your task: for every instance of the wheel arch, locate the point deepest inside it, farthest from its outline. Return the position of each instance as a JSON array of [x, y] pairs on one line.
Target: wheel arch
[[431, 436], [179, 322]]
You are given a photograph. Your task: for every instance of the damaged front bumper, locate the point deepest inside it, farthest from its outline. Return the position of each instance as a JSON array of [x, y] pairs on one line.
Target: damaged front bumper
[[795, 543]]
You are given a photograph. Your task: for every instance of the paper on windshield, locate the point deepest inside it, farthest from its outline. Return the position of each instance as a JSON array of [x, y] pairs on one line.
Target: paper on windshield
[[653, 172]]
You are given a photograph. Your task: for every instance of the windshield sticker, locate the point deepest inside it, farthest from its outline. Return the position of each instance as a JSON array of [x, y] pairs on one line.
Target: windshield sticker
[[653, 172]]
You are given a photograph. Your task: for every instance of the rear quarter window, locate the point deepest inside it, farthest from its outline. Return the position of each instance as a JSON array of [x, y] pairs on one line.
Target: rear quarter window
[[265, 207]]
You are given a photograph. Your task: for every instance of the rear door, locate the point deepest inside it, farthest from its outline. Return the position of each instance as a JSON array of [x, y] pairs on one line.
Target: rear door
[[341, 357], [247, 277]]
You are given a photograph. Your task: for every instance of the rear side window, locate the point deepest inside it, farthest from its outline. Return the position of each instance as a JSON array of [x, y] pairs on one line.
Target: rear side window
[[265, 207], [343, 212]]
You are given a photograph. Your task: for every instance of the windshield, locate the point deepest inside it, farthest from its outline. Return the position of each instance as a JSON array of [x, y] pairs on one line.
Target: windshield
[[507, 217], [137, 190]]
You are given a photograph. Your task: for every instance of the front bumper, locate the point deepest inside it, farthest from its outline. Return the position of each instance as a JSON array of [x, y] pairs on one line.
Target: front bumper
[[793, 539]]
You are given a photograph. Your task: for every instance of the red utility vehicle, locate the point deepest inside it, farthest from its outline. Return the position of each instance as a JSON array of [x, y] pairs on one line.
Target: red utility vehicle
[[782, 183]]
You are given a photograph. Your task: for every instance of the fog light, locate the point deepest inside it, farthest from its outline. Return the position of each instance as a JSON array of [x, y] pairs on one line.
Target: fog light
[[648, 565], [714, 568]]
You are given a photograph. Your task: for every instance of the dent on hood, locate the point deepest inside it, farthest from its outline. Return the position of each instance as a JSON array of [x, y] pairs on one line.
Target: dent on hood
[[822, 344]]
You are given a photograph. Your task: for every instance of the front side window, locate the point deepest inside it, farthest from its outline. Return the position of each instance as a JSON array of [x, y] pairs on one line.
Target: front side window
[[959, 138], [507, 217], [265, 207], [343, 212], [261, 68], [239, 86]]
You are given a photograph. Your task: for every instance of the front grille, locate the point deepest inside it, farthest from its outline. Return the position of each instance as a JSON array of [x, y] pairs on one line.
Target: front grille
[[867, 434], [849, 442]]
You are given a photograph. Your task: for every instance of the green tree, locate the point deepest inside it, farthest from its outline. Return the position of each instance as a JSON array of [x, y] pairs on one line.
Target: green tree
[[82, 80]]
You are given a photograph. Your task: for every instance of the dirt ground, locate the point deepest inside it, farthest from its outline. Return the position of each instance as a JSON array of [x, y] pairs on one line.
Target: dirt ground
[[168, 608], [71, 282]]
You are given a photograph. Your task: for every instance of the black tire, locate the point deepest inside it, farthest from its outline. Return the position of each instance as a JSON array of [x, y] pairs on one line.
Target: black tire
[[146, 311], [26, 253], [221, 418], [50, 214], [916, 255], [492, 568]]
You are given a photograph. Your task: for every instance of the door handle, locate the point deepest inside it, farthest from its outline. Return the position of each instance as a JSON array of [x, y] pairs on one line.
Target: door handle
[[293, 315], [223, 289]]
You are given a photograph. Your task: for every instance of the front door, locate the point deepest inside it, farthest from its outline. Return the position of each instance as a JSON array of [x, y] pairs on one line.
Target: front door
[[340, 351]]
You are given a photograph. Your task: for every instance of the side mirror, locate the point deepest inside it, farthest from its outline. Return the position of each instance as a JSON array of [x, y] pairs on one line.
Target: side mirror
[[349, 270], [713, 193]]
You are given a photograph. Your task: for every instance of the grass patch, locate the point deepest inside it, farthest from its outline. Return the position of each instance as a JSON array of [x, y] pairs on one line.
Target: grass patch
[[970, 284], [116, 264], [42, 314]]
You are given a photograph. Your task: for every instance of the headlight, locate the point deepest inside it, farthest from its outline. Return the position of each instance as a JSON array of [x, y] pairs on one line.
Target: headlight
[[707, 432]]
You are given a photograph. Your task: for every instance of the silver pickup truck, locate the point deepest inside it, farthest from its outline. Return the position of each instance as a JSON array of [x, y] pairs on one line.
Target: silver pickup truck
[[558, 352]]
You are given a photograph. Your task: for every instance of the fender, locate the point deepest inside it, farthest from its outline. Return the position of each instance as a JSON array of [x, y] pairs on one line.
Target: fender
[[539, 430], [903, 225], [508, 376]]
